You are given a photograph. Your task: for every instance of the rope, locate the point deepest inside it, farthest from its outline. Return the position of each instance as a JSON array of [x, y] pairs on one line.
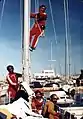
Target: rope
[[2, 12], [54, 29], [53, 21]]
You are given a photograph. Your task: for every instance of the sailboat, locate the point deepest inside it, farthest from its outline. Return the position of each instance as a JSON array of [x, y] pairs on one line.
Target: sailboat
[[21, 108], [75, 109]]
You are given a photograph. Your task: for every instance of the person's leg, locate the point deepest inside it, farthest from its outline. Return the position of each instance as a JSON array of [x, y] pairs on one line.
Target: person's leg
[[32, 32], [11, 100], [36, 37]]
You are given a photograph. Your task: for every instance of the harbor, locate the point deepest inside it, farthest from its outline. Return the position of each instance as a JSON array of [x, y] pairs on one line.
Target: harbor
[[42, 55], [67, 102]]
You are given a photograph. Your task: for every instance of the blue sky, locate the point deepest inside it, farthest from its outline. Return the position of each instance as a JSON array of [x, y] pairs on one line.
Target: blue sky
[[10, 37]]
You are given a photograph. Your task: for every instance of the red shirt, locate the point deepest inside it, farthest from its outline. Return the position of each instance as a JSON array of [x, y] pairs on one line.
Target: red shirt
[[13, 84], [37, 104], [41, 18]]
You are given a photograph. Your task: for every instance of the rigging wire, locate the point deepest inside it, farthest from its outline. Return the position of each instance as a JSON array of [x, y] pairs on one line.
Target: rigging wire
[[36, 5], [81, 41], [2, 12], [53, 21], [55, 36]]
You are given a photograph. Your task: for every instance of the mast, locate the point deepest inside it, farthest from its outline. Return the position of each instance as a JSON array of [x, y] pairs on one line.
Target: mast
[[60, 69], [69, 41], [26, 34], [66, 39]]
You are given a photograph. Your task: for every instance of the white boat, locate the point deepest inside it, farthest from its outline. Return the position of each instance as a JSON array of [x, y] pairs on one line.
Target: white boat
[[67, 87], [77, 111], [63, 98], [3, 90], [21, 105], [45, 74], [21, 108]]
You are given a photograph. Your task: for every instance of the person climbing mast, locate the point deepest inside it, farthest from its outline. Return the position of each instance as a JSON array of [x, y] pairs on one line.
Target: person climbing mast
[[39, 26]]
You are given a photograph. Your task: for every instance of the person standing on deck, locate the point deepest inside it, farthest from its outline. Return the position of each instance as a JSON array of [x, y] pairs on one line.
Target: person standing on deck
[[38, 27], [12, 80]]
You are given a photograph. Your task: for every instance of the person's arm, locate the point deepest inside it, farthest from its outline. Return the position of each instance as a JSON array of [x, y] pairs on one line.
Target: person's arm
[[18, 75], [33, 105], [43, 33], [79, 77], [51, 109], [45, 16], [32, 15], [45, 109], [9, 80]]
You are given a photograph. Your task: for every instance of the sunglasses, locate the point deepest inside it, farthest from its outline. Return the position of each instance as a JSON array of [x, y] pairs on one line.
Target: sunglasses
[[55, 98]]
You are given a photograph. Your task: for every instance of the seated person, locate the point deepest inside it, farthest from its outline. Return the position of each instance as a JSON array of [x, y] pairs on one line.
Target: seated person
[[37, 102], [50, 108]]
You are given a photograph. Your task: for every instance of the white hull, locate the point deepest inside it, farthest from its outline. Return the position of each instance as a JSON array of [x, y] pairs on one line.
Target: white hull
[[65, 101], [77, 111], [3, 90], [3, 93], [20, 108]]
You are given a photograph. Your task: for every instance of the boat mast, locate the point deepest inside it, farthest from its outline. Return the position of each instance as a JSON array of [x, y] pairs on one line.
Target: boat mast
[[26, 34], [66, 40], [69, 41]]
